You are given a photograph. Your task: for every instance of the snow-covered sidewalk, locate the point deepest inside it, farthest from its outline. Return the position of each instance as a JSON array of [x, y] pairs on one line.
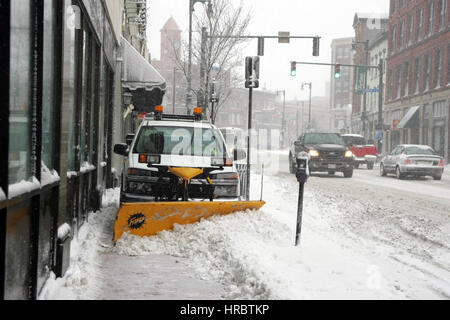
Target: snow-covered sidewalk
[[348, 251]]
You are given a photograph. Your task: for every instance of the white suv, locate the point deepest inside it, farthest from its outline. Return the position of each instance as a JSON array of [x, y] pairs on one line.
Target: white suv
[[165, 143]]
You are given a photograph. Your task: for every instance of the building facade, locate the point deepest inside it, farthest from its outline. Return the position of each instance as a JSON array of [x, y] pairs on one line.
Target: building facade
[[368, 28], [65, 68], [418, 74], [341, 90], [378, 48]]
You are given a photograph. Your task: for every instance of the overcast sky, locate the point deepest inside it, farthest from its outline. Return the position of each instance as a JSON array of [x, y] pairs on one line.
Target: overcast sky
[[328, 19]]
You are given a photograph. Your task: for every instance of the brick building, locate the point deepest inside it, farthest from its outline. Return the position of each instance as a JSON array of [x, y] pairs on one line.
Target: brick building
[[418, 74]]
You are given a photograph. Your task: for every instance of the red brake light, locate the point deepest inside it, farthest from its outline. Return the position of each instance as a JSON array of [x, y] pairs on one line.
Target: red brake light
[[441, 162], [408, 161]]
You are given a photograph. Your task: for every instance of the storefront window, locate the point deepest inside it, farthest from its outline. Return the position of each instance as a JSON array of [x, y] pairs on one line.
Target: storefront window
[[71, 65], [48, 94], [19, 94], [86, 71]]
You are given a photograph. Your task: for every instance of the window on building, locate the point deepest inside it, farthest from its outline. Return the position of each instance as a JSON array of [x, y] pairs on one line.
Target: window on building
[[391, 84], [393, 39], [439, 109], [419, 24], [410, 29], [426, 72], [399, 81], [430, 18], [442, 12], [417, 75], [448, 64], [438, 68], [20, 92], [71, 54], [401, 35], [406, 77], [48, 85]]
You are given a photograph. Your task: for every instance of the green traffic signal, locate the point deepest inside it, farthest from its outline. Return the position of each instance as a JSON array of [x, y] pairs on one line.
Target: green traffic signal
[[293, 69], [337, 71]]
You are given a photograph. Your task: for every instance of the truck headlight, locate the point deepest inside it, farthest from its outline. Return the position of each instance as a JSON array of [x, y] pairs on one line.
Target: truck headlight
[[313, 153], [348, 154]]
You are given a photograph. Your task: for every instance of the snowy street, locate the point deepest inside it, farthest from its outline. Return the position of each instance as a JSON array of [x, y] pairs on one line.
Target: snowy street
[[368, 237]]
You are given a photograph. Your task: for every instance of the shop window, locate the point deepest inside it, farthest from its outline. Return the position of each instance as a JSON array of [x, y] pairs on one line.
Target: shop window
[[70, 95], [48, 90], [19, 94]]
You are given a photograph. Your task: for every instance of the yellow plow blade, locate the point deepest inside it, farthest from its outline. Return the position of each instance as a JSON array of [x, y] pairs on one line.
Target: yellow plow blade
[[148, 218]]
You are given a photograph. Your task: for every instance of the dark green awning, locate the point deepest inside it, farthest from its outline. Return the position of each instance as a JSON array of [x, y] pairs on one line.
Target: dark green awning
[[411, 119]]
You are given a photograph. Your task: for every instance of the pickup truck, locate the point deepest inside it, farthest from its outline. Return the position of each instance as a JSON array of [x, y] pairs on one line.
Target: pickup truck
[[364, 153]]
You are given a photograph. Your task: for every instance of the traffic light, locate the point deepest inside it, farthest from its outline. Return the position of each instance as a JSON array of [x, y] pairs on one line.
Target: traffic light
[[316, 46], [293, 69], [252, 72], [337, 71]]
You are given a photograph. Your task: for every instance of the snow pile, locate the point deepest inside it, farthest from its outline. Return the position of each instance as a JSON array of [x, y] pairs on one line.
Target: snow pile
[[48, 176], [220, 248], [86, 167], [23, 186], [80, 280]]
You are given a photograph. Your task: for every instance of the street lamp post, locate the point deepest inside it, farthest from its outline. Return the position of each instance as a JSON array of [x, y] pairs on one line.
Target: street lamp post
[[309, 84], [189, 75]]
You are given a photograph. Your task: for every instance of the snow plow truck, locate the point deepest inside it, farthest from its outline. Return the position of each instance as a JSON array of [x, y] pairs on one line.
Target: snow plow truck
[[178, 170]]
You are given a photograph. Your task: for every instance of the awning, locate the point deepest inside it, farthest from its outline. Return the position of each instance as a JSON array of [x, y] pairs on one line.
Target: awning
[[411, 119], [141, 79]]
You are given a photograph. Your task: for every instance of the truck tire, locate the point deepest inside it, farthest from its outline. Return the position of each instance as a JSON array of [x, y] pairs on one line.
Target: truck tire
[[348, 173]]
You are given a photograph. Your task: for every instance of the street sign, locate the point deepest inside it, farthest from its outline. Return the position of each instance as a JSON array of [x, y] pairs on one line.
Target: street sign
[[284, 37]]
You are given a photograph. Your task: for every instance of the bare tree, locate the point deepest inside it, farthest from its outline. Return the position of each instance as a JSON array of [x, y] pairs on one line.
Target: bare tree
[[220, 52]]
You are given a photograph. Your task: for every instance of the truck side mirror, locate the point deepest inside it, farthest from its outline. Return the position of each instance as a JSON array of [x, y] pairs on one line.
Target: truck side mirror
[[129, 138], [298, 143], [121, 149]]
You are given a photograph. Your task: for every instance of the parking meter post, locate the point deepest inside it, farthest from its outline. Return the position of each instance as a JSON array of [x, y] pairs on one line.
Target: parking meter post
[[302, 175]]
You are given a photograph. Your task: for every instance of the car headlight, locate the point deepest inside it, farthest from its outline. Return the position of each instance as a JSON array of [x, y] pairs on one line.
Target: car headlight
[[313, 153], [348, 154]]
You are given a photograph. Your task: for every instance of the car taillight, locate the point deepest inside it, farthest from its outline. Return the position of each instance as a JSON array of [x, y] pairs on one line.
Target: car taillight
[[408, 161], [441, 162]]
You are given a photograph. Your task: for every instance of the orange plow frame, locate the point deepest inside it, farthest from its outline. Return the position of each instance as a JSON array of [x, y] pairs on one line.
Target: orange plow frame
[[148, 218]]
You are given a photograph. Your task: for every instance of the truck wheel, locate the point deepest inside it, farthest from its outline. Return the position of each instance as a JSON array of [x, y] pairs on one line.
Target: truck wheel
[[370, 165], [438, 177], [348, 173]]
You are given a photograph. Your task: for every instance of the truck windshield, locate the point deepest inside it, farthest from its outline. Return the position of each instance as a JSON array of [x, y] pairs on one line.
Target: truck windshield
[[354, 141], [180, 141], [324, 138]]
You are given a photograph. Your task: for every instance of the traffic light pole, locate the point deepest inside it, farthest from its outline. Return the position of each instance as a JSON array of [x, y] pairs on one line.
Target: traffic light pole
[[379, 67]]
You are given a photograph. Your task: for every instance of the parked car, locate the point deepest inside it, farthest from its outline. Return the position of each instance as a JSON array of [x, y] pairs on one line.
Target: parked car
[[365, 153], [413, 160], [328, 153]]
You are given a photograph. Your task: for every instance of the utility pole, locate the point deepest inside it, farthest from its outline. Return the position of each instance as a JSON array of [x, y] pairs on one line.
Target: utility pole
[[380, 125], [189, 75], [309, 84]]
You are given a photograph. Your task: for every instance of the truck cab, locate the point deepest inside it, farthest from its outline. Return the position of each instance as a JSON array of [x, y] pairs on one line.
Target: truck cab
[[365, 153]]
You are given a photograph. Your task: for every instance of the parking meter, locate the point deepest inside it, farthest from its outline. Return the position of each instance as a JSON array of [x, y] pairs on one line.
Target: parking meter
[[302, 172], [302, 175]]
